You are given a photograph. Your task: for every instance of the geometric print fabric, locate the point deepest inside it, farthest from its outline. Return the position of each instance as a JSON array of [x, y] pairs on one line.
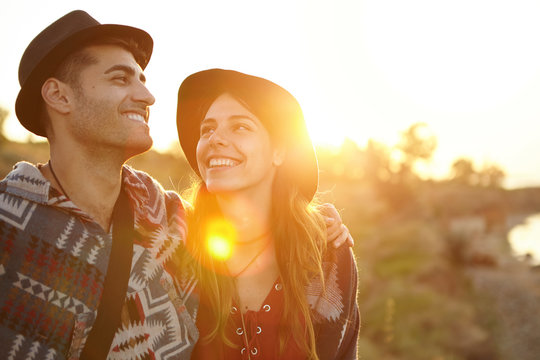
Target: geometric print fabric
[[54, 286], [53, 258]]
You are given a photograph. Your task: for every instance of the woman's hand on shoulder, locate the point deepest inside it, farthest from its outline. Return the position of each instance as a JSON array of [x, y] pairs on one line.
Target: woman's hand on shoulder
[[337, 232]]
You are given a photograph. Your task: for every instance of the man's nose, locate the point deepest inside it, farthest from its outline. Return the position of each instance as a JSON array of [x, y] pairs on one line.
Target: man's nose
[[144, 95]]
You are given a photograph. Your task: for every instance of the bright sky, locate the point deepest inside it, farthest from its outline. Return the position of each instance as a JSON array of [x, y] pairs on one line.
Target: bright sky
[[361, 69]]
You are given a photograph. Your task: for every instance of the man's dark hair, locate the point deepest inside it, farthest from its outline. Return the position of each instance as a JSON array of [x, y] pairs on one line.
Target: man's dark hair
[[69, 69]]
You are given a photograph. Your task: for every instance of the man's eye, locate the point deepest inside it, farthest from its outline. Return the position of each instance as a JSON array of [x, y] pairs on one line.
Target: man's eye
[[121, 79]]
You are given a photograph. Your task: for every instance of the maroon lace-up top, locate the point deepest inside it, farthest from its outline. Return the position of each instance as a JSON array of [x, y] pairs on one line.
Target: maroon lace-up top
[[255, 333]]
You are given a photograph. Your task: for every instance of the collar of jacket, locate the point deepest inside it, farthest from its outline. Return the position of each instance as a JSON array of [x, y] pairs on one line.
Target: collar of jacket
[[27, 181]]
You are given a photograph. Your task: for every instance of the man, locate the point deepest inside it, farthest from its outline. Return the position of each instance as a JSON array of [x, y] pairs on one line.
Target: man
[[80, 232], [83, 87]]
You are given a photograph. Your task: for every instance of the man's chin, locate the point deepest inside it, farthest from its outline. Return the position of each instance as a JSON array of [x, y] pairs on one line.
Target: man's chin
[[138, 148]]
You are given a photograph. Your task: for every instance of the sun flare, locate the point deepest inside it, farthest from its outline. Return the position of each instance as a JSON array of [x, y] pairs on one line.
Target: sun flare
[[220, 239]]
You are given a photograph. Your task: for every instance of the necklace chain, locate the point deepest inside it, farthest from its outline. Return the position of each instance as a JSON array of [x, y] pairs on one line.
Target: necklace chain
[[259, 253], [57, 181], [244, 338]]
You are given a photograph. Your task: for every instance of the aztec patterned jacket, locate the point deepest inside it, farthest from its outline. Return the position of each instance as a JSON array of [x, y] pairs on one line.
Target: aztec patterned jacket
[[335, 309], [53, 260]]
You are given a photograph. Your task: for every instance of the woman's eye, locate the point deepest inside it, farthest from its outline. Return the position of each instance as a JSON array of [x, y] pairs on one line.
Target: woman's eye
[[205, 130], [241, 127]]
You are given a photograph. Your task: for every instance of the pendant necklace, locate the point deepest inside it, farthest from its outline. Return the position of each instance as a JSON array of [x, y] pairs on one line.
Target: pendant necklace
[[57, 181], [259, 253]]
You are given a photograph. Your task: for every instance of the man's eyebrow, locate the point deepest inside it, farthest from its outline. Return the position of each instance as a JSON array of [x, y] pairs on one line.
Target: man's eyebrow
[[127, 69]]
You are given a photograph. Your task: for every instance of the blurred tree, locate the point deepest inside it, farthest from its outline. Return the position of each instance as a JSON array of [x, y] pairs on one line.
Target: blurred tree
[[463, 171], [417, 143], [377, 164], [491, 175]]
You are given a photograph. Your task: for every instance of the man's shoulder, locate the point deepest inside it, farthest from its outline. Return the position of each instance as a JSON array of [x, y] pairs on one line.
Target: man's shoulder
[[139, 175], [25, 181], [147, 186], [149, 196], [151, 184]]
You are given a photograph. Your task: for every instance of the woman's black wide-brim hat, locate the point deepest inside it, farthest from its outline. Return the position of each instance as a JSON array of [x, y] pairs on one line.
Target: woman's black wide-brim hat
[[50, 48], [274, 106]]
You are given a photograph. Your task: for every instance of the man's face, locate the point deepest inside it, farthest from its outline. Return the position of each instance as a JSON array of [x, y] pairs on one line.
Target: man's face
[[111, 103]]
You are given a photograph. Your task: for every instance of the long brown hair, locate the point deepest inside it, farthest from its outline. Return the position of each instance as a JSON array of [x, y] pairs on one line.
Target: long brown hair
[[299, 232]]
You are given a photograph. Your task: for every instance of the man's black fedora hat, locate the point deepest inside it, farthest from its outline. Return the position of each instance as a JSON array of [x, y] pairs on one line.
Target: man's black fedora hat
[[50, 48], [276, 108]]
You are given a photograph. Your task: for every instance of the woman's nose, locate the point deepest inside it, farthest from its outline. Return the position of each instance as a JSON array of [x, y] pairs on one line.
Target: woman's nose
[[217, 137]]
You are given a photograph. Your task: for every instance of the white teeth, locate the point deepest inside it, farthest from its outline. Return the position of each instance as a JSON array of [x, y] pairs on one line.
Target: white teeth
[[222, 162], [136, 117]]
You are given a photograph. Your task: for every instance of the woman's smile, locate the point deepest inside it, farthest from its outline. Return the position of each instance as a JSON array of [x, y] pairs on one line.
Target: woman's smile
[[222, 163]]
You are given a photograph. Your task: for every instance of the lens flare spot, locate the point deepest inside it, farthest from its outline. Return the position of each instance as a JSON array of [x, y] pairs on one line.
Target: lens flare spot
[[219, 247], [220, 239]]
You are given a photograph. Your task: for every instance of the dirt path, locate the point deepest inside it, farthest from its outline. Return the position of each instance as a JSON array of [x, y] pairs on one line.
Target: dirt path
[[513, 299]]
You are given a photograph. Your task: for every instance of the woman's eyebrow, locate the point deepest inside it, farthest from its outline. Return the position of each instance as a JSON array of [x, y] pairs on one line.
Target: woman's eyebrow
[[241, 117], [207, 120], [212, 120]]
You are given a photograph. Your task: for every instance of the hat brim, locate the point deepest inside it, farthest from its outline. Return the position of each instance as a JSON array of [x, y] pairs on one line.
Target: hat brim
[[27, 105], [199, 90]]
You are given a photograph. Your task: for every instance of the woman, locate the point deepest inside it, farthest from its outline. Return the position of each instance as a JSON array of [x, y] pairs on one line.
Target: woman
[[273, 290]]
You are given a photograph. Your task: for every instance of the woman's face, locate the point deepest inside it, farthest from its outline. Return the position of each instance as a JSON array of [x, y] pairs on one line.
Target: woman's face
[[235, 152]]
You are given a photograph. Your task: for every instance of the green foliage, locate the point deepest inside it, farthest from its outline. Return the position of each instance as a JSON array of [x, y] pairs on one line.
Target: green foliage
[[3, 116], [399, 265], [13, 152], [416, 304]]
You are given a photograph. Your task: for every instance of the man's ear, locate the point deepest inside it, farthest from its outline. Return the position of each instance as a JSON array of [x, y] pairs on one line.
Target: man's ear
[[57, 95], [279, 155]]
